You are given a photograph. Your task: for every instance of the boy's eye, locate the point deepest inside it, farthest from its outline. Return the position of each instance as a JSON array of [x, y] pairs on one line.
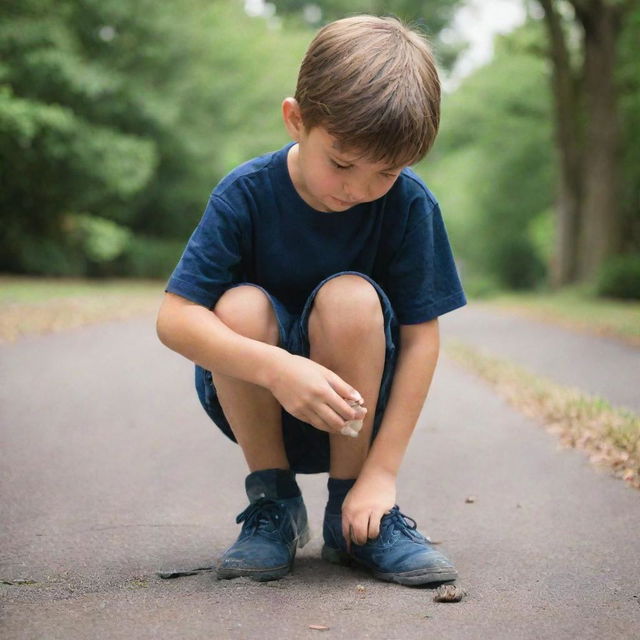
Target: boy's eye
[[337, 165]]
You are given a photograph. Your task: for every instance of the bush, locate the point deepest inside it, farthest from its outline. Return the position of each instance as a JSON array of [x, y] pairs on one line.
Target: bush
[[84, 245], [620, 277], [99, 240], [516, 264], [478, 285], [46, 256], [147, 257]]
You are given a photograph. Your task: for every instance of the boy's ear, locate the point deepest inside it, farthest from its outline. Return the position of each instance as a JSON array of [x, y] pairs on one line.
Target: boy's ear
[[292, 118]]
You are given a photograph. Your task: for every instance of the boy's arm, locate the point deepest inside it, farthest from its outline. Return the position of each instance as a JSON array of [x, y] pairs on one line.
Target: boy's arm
[[304, 388], [374, 492]]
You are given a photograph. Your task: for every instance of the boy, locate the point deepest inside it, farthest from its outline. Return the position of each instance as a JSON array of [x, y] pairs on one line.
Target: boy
[[308, 297]]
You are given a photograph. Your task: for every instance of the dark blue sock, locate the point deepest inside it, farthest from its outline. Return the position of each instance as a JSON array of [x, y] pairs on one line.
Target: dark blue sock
[[272, 483], [338, 490]]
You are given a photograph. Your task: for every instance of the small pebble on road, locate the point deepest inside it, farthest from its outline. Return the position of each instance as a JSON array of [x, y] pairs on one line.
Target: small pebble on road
[[449, 593]]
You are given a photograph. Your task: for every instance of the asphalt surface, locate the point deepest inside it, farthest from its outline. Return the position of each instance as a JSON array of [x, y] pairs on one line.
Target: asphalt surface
[[110, 472], [597, 365]]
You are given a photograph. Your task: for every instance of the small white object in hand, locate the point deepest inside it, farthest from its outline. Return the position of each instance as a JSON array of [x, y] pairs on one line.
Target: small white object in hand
[[352, 427]]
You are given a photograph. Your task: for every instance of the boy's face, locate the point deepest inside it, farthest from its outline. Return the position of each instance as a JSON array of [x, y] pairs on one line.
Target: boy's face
[[328, 177]]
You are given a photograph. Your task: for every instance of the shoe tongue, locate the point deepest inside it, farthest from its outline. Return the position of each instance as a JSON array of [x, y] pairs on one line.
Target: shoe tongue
[[392, 520], [276, 484], [256, 492]]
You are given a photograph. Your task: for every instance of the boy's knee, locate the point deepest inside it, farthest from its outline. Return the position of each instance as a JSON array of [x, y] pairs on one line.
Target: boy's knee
[[347, 302], [248, 311]]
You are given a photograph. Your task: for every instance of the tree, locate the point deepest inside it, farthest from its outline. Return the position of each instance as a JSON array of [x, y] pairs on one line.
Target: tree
[[589, 217], [433, 17], [82, 108], [492, 166], [117, 118]]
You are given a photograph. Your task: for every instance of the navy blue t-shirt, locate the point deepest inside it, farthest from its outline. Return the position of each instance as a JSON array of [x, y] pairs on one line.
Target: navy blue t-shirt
[[256, 228]]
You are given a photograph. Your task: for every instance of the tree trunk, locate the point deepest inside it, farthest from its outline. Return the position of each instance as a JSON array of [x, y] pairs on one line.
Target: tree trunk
[[567, 130], [601, 214]]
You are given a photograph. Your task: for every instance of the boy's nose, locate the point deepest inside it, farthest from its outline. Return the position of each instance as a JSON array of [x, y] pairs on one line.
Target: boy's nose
[[355, 192]]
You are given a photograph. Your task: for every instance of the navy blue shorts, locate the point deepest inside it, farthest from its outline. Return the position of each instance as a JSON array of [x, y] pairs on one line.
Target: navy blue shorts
[[307, 448]]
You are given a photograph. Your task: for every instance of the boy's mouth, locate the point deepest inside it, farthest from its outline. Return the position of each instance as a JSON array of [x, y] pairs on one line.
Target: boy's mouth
[[344, 203]]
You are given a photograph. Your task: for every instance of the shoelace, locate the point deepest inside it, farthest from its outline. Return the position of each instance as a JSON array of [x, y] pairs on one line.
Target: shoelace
[[396, 520], [265, 514]]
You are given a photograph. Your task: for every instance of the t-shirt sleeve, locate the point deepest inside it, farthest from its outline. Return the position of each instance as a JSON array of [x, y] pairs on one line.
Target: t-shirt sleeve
[[423, 279], [212, 259]]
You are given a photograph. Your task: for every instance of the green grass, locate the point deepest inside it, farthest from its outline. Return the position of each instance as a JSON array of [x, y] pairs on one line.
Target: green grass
[[24, 289], [44, 305], [577, 309]]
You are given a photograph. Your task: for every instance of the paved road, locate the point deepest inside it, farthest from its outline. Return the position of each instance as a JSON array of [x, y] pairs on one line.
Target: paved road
[[110, 471], [598, 365]]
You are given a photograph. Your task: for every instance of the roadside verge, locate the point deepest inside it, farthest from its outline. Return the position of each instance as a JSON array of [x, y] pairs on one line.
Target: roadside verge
[[608, 435]]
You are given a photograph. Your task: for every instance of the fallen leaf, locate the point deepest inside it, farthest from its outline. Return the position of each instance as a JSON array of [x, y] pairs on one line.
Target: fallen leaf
[[360, 588], [318, 627], [470, 499], [449, 593], [169, 575]]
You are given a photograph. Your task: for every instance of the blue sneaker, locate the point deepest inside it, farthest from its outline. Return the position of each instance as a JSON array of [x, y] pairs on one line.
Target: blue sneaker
[[399, 554], [273, 528]]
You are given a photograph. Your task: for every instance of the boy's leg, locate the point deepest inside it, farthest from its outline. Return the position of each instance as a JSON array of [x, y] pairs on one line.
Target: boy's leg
[[346, 335], [254, 415], [275, 522]]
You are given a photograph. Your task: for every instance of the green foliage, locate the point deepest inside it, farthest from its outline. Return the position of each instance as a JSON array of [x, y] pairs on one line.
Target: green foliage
[[68, 116], [542, 235], [437, 13], [147, 257], [620, 277], [492, 166], [478, 286], [430, 17], [628, 81], [99, 240], [43, 255], [130, 112]]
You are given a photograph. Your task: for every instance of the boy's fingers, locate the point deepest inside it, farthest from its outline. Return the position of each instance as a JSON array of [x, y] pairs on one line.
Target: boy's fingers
[[349, 532], [374, 525], [346, 410], [318, 421], [353, 530], [332, 421], [359, 533], [345, 390], [346, 532]]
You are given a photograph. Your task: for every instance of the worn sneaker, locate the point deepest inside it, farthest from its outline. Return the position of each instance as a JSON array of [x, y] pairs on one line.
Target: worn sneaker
[[273, 528], [399, 554]]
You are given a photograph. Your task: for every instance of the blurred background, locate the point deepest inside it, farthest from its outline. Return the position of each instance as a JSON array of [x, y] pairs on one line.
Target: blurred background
[[117, 119]]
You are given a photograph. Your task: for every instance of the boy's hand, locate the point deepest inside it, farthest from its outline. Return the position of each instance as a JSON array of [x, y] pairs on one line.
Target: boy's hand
[[372, 495], [314, 394]]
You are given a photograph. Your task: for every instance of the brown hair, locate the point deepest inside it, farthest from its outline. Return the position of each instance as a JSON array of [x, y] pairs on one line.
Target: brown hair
[[372, 83]]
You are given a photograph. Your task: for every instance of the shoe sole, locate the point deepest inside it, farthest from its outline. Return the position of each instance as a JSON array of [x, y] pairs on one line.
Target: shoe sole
[[264, 575], [259, 575], [409, 578]]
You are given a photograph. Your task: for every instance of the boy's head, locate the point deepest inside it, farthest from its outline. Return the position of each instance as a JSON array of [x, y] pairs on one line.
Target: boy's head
[[372, 84]]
